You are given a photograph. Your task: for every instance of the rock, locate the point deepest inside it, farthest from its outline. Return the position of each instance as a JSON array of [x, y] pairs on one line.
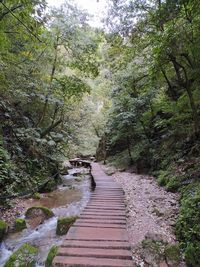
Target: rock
[[39, 211], [3, 229], [152, 252], [110, 170], [64, 168], [157, 212], [163, 264], [155, 237], [122, 170], [20, 224], [52, 253], [77, 174], [25, 256], [63, 224]]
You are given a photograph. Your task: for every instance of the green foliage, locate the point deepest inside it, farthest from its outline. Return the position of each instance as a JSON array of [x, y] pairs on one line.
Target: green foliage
[[46, 59], [5, 166], [152, 245], [3, 229], [63, 224], [173, 184], [20, 224], [36, 195], [119, 160], [49, 186], [25, 256], [52, 253], [172, 252], [188, 225], [154, 116], [162, 178]]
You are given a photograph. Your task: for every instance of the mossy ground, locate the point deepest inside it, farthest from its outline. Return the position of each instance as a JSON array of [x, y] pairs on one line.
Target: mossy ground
[[63, 224], [25, 256], [52, 253]]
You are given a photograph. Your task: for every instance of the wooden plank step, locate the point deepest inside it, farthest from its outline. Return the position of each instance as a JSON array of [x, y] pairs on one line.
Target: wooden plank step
[[99, 225], [88, 233], [99, 237], [61, 261], [95, 252], [105, 221], [96, 244]]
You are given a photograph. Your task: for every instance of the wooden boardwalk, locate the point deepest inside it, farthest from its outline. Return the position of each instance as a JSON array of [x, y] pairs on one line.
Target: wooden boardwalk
[[99, 236]]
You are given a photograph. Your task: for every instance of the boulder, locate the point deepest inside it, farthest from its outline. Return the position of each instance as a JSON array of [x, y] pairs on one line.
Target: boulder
[[37, 215], [63, 224], [20, 224]]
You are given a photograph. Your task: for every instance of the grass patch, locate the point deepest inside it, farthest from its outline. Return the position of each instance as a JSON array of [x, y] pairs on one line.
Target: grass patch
[[51, 255]]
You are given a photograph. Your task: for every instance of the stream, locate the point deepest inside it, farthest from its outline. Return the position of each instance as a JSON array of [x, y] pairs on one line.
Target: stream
[[69, 199]]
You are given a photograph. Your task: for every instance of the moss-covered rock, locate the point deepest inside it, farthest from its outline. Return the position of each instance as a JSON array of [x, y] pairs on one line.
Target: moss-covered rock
[[63, 224], [152, 251], [3, 229], [25, 256], [173, 255], [78, 179], [39, 210], [36, 195], [52, 253], [20, 224]]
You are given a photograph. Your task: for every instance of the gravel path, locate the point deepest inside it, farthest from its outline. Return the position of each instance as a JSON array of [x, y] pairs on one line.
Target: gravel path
[[151, 211]]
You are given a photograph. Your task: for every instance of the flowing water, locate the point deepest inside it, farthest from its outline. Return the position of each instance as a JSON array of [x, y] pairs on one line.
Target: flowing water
[[68, 200]]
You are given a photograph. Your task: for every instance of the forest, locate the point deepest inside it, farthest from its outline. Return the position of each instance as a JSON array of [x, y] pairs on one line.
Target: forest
[[127, 93]]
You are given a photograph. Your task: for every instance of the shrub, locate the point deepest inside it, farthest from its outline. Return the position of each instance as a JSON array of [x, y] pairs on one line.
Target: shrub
[[173, 254], [162, 178], [173, 184], [25, 256], [188, 227]]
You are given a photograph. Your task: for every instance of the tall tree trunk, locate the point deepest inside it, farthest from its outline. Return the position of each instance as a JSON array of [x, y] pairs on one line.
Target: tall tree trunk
[[194, 109], [51, 127], [186, 83], [129, 149], [50, 83]]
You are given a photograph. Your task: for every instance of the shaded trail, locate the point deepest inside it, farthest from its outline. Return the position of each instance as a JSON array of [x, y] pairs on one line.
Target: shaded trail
[[99, 236]]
